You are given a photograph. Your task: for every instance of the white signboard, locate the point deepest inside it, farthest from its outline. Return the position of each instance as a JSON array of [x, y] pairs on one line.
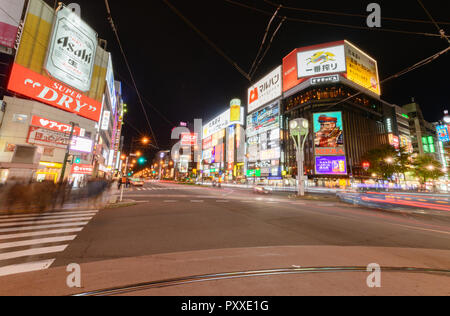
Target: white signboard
[[81, 144], [266, 90], [111, 86], [221, 122], [105, 120], [71, 54], [327, 60]]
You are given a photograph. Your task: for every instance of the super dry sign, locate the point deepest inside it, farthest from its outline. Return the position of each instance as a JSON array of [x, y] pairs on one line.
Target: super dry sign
[[45, 90]]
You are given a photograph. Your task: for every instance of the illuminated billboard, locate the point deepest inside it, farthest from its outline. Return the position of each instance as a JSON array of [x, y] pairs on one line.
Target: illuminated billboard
[[328, 134], [10, 14], [227, 118], [361, 68], [266, 90], [30, 84], [443, 133], [30, 63], [340, 58], [331, 165], [54, 126], [71, 51], [321, 61], [81, 144]]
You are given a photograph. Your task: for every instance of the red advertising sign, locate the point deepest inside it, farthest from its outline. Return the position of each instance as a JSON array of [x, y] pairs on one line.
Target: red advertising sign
[[290, 71], [48, 91], [54, 126], [82, 169], [188, 139], [45, 137], [207, 142]]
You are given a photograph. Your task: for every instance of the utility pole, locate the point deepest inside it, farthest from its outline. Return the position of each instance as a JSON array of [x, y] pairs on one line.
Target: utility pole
[[66, 157]]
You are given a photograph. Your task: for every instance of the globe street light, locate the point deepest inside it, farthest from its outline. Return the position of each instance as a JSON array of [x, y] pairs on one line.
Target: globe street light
[[299, 128]]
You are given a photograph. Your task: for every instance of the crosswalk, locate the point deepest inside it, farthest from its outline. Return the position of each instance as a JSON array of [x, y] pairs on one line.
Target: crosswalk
[[30, 242], [159, 188]]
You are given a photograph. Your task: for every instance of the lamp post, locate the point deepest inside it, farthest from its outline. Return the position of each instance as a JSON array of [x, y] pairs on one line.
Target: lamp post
[[299, 130]]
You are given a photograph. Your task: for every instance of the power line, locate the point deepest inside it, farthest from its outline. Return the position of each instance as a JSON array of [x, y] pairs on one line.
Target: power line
[[111, 21], [439, 29], [263, 41], [349, 14], [375, 29], [148, 102], [268, 47], [397, 75], [205, 38]]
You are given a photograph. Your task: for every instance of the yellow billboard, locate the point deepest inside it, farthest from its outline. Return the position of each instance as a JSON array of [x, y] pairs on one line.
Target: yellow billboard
[[361, 68], [34, 44]]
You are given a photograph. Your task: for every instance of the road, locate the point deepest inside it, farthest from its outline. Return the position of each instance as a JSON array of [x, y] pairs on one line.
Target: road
[[205, 224]]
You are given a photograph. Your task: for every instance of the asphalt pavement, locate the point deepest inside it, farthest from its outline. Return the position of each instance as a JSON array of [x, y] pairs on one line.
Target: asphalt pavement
[[169, 219]]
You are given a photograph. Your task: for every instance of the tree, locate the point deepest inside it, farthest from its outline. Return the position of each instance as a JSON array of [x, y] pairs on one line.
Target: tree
[[385, 161], [427, 168]]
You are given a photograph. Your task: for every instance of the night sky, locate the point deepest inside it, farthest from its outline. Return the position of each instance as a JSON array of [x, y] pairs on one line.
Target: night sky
[[184, 78]]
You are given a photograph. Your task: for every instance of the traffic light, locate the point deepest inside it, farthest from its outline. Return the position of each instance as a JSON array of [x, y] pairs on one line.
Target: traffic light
[[142, 160], [366, 165], [77, 160]]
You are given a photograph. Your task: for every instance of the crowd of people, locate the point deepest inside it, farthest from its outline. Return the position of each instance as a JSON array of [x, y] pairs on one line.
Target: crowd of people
[[49, 195]]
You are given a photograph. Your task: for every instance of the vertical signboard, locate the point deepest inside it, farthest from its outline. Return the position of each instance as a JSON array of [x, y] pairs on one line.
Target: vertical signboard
[[71, 53], [329, 149], [10, 15]]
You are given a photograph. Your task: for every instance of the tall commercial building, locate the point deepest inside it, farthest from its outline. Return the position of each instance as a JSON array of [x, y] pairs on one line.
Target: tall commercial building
[[316, 83], [423, 133], [56, 100]]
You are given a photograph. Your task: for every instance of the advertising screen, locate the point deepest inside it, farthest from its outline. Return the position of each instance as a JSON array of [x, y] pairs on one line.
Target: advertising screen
[[72, 49], [328, 134], [266, 90], [334, 165], [223, 121], [10, 14], [443, 133], [263, 120], [361, 68], [321, 61]]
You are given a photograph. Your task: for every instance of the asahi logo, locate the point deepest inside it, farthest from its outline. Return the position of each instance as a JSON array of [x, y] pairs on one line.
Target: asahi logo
[[70, 45]]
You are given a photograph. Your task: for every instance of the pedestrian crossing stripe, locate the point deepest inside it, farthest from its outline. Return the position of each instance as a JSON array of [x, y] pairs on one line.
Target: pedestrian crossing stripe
[[27, 236]]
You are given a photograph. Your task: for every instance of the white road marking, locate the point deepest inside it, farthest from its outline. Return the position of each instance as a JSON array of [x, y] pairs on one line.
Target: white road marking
[[41, 233], [46, 217], [46, 221], [32, 252], [36, 241], [47, 214], [26, 267], [7, 230]]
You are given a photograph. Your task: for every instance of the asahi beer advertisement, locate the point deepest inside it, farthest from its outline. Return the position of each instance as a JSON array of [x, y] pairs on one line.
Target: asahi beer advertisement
[[71, 53], [328, 134]]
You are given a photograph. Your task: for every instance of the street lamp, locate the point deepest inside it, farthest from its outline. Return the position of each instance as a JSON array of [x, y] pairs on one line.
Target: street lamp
[[299, 128]]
